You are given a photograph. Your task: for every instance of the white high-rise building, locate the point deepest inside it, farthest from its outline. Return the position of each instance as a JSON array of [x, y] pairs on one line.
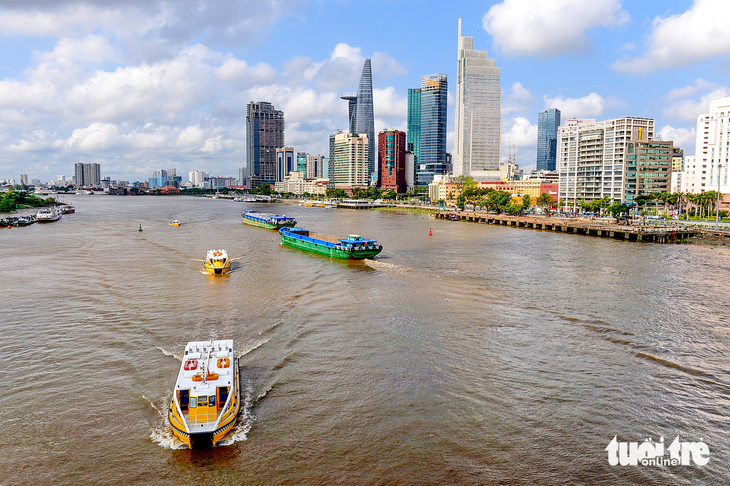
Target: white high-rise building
[[197, 177], [591, 157], [709, 165], [478, 120]]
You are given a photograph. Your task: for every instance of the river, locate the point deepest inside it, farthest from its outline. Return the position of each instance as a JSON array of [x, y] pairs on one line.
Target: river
[[478, 355]]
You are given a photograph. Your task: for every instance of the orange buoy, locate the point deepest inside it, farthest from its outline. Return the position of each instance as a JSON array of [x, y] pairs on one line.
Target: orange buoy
[[429, 232]]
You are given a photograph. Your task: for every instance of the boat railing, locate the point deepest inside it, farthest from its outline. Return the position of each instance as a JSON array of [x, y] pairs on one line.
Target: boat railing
[[203, 418]]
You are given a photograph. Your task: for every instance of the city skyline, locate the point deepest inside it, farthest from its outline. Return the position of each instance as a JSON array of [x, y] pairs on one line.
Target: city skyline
[[109, 85]]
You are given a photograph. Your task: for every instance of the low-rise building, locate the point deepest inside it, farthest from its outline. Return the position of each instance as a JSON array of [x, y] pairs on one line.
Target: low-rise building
[[296, 183]]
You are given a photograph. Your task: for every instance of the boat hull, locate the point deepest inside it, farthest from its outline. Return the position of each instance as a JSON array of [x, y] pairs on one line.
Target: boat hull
[[269, 226], [355, 254], [213, 270]]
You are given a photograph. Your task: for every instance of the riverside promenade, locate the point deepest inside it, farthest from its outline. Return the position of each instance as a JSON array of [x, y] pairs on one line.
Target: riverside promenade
[[604, 229]]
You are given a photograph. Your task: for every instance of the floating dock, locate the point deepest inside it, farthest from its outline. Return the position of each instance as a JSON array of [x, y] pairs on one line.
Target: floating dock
[[581, 227]]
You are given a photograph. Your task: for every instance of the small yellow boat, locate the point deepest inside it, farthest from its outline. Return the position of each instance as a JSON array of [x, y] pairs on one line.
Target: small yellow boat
[[175, 223], [207, 397], [217, 262]]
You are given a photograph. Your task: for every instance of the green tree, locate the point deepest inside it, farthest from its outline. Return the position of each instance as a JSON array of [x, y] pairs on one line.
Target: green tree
[[545, 202], [616, 209]]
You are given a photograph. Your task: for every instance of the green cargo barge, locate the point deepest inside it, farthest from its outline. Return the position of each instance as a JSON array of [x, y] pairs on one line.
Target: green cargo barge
[[266, 220], [353, 247]]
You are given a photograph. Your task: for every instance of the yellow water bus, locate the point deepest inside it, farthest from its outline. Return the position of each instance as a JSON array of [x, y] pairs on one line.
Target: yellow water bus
[[217, 262], [207, 396]]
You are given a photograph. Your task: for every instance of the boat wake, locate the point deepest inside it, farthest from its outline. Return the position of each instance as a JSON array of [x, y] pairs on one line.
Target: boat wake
[[163, 436], [379, 264], [169, 353], [253, 346], [245, 420]]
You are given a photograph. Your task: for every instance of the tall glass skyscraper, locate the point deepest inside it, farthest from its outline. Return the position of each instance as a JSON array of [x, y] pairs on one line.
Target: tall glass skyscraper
[[365, 116], [264, 134], [478, 123], [432, 157], [413, 140], [548, 122]]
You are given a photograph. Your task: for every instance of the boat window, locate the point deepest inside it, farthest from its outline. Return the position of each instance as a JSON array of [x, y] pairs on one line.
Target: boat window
[[222, 394], [211, 401], [203, 401], [193, 402]]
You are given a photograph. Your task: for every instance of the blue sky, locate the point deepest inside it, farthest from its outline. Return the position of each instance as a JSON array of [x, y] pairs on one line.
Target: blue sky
[[139, 85]]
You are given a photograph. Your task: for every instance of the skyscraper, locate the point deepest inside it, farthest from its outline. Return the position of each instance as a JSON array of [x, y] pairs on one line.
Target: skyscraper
[[365, 114], [88, 175], [392, 160], [286, 162], [432, 156], [413, 140], [478, 122], [351, 112], [264, 134], [708, 169], [351, 162], [548, 122], [361, 116]]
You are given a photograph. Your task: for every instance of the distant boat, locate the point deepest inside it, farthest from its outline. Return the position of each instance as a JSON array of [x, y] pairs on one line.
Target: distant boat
[[48, 215], [354, 247], [206, 399], [67, 209], [217, 262], [175, 222], [267, 220]]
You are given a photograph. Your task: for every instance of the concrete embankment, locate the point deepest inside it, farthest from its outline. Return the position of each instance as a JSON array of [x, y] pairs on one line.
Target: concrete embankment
[[603, 229]]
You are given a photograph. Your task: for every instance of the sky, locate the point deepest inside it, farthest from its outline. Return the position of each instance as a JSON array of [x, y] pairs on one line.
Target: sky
[[142, 85]]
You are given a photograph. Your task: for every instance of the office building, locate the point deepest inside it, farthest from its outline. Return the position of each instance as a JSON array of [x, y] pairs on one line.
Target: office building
[[707, 170], [302, 162], [647, 167], [286, 162], [392, 160], [351, 162], [361, 114], [264, 134], [591, 157], [548, 122], [23, 179], [198, 177], [478, 119], [242, 176], [88, 175], [314, 166], [413, 139], [677, 159], [432, 151]]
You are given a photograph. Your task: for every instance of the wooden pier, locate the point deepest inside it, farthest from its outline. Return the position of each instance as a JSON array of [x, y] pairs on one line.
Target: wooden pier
[[577, 226]]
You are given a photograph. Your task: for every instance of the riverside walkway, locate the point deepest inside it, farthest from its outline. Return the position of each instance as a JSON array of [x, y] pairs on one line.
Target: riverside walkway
[[627, 232]]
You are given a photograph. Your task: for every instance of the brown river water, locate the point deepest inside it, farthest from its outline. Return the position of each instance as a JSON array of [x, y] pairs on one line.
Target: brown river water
[[479, 355]]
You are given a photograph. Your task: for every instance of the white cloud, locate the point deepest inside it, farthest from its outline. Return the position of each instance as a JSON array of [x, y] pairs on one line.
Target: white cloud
[[95, 136], [683, 138], [179, 22], [699, 34], [518, 99], [699, 85], [689, 109], [549, 28], [589, 106], [186, 111], [522, 133]]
